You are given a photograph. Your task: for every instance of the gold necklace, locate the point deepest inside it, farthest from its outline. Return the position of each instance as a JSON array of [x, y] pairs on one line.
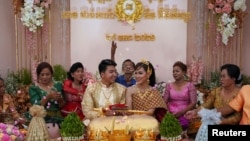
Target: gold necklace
[[107, 103], [144, 94]]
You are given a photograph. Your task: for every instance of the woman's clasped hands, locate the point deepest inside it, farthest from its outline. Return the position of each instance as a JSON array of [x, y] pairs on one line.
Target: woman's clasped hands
[[54, 95], [192, 114]]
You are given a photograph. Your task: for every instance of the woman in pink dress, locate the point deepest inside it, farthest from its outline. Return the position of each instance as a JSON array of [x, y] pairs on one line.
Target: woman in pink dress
[[180, 95], [73, 89]]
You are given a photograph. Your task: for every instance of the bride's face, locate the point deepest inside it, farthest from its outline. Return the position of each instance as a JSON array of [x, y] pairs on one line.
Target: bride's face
[[140, 75]]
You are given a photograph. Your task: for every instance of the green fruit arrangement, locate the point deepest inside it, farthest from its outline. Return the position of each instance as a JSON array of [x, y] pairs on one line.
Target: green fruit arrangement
[[72, 126], [170, 126]]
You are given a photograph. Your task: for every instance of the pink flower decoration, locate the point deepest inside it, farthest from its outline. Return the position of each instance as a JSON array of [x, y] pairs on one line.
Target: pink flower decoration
[[230, 1], [218, 10], [49, 1], [227, 8], [218, 1], [220, 7], [210, 6], [6, 137], [89, 78], [33, 70], [36, 1], [195, 71]]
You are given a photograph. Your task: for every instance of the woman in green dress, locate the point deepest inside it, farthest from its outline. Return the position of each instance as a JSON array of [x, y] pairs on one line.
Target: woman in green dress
[[47, 93]]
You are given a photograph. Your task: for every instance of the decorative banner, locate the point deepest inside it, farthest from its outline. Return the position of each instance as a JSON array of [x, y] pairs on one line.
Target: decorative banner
[[129, 11], [158, 34]]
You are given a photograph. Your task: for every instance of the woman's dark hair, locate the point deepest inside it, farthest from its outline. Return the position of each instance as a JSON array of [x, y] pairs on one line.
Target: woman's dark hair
[[104, 64], [147, 66], [73, 68], [42, 66], [1, 79], [233, 72], [181, 65]]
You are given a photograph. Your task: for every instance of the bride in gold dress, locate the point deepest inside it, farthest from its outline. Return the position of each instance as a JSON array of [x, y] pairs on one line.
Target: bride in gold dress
[[143, 96]]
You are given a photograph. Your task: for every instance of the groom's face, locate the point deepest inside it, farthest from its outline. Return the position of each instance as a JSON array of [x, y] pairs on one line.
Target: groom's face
[[110, 74]]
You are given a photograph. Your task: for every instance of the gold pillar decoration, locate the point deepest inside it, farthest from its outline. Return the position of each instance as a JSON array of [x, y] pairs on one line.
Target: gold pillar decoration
[[50, 38], [17, 4], [17, 49], [241, 45]]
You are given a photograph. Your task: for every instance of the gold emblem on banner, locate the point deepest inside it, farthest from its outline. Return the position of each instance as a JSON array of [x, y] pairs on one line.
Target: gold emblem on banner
[[129, 10]]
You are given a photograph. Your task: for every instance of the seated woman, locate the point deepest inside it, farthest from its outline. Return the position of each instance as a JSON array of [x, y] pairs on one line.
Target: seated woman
[[143, 96], [180, 95], [48, 93], [221, 96], [73, 89]]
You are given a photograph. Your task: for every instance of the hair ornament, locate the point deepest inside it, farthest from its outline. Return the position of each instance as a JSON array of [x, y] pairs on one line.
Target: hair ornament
[[145, 62]]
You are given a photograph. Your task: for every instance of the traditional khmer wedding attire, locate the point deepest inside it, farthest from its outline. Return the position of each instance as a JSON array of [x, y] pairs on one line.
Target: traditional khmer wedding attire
[[178, 100], [53, 117], [73, 99], [241, 103], [141, 101], [215, 100], [52, 106], [149, 99], [98, 95]]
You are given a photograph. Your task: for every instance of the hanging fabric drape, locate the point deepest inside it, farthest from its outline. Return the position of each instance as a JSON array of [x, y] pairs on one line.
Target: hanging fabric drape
[[203, 40], [50, 43]]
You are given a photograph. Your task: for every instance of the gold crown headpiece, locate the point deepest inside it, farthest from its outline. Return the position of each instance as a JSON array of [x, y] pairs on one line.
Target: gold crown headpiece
[[145, 62]]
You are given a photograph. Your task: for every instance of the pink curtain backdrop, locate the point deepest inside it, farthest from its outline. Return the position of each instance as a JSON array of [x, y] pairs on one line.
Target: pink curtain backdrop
[[201, 40], [52, 42]]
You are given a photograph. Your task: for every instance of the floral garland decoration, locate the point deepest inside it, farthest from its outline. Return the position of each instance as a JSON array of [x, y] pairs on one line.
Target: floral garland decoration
[[89, 78], [195, 71], [229, 15], [10, 133], [33, 12]]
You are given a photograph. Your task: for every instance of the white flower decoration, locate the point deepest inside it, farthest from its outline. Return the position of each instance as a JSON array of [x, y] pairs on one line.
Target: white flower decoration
[[32, 15], [240, 5], [226, 27]]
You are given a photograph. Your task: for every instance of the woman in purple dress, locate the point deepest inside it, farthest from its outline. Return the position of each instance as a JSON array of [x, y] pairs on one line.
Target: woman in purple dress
[[180, 95]]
